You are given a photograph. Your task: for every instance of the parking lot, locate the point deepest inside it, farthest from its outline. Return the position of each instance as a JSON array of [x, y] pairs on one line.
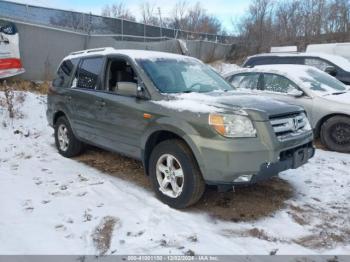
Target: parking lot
[[305, 210]]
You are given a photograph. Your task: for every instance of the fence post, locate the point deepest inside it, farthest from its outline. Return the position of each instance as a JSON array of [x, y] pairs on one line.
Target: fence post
[[122, 29]]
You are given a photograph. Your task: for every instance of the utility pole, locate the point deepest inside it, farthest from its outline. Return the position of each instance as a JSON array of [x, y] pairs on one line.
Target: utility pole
[[160, 21]]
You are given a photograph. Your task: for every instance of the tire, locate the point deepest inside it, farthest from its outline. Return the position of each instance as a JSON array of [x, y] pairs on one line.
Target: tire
[[73, 146], [192, 182], [335, 134]]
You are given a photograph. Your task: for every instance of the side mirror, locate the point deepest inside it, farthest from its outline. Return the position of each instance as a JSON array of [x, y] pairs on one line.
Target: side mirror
[[331, 70], [296, 93], [128, 89], [59, 81]]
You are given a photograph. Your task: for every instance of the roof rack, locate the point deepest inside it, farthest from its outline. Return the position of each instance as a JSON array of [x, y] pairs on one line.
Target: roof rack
[[95, 50]]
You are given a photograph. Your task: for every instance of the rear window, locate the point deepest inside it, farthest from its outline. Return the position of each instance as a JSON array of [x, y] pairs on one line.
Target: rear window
[[256, 61], [259, 61], [64, 73], [87, 75]]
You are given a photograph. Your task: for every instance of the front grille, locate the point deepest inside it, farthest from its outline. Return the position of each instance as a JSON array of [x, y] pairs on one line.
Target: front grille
[[289, 125]]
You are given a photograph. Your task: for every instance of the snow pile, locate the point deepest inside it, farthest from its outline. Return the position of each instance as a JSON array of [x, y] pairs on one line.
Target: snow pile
[[224, 68], [53, 205]]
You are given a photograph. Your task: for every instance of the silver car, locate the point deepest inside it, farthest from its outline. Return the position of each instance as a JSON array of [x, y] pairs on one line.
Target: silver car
[[325, 99]]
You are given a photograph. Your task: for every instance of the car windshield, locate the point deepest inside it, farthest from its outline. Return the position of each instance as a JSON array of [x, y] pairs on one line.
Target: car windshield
[[183, 76], [321, 82]]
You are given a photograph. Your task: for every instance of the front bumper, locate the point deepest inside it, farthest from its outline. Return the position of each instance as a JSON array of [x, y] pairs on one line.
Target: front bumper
[[222, 161], [289, 159]]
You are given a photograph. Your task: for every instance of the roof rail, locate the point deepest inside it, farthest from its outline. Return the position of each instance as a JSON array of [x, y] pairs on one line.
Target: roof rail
[[88, 51]]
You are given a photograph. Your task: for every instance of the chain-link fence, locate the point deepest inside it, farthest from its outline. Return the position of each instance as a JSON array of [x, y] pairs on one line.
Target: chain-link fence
[[98, 25]]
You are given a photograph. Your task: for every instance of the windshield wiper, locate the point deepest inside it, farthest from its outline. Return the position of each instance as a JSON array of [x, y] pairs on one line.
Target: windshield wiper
[[338, 93]]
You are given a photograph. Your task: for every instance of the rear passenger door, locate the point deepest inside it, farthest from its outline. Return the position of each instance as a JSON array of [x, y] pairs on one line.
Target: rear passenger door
[[82, 97]]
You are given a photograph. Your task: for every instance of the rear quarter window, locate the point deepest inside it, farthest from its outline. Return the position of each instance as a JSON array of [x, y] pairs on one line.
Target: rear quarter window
[[64, 73]]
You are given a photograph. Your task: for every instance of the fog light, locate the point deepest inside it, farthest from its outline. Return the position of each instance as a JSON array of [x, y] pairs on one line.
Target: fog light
[[243, 179]]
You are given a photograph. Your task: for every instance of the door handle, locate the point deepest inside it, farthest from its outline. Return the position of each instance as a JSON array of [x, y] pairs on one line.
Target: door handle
[[68, 98]]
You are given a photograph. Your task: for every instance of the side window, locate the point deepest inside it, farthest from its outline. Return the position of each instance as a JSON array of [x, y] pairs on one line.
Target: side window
[[318, 63], [263, 61], [87, 75], [246, 81], [119, 72], [64, 73], [280, 84], [287, 60]]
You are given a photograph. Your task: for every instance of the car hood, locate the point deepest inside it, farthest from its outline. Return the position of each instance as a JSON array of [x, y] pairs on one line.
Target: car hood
[[340, 98], [260, 108]]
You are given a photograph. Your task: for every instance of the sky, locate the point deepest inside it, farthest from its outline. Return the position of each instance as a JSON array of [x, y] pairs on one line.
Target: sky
[[225, 10]]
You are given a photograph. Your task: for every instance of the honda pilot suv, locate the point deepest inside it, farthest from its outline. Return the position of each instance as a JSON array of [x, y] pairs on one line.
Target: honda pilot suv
[[186, 124]]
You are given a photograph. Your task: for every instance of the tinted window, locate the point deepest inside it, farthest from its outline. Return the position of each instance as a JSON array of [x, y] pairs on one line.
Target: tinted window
[[288, 60], [280, 84], [261, 61], [318, 63], [247, 81], [64, 73], [87, 75]]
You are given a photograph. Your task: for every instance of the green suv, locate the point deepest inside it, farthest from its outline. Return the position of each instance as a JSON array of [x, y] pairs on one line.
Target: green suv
[[186, 124]]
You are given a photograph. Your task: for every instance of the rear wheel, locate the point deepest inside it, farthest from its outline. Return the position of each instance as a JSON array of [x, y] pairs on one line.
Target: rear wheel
[[67, 144], [175, 175], [335, 133]]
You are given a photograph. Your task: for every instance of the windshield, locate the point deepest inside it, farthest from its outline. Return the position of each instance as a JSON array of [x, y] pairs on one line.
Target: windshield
[[322, 83], [183, 76]]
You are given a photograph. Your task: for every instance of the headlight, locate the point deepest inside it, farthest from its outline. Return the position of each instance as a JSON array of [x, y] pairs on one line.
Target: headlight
[[307, 125], [232, 125]]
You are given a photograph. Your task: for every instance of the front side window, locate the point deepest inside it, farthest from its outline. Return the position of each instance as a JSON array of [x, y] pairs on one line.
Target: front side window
[[182, 76], [318, 63], [119, 71], [280, 84], [246, 81], [64, 73], [87, 75]]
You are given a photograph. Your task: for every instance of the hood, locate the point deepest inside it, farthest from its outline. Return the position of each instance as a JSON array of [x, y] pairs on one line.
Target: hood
[[260, 108], [339, 98]]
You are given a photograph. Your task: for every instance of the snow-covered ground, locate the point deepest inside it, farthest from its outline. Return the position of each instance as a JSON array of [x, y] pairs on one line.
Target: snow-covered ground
[[53, 205]]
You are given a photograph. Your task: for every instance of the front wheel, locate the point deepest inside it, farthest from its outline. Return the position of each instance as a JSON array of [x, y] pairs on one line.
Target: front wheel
[[175, 175], [335, 134]]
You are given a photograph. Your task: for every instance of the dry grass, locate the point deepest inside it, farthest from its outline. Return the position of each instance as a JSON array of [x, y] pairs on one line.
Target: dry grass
[[25, 85]]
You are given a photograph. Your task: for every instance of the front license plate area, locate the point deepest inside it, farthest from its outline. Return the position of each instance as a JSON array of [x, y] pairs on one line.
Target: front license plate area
[[300, 157]]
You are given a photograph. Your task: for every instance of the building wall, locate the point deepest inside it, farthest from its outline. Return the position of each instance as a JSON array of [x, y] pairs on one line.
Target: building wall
[[42, 48]]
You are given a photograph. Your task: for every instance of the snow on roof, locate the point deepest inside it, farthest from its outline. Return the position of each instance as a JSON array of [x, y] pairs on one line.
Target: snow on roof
[[133, 54], [282, 69], [335, 59]]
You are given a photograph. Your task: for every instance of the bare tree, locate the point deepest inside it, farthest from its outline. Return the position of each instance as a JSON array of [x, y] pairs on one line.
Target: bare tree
[[179, 13], [118, 10], [148, 13], [292, 22]]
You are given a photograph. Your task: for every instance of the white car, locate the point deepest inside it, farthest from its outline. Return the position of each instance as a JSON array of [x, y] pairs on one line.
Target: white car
[[325, 99]]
